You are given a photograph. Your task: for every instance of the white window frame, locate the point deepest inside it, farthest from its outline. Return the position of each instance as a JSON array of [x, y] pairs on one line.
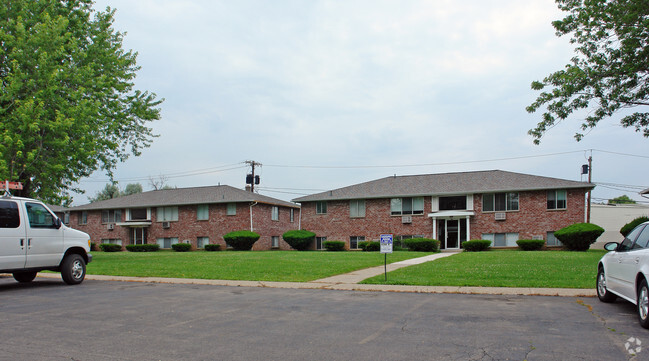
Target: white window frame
[[111, 240], [129, 217], [231, 209], [510, 199], [274, 213], [172, 240], [274, 241], [203, 212], [202, 241], [356, 239], [319, 242], [357, 208], [555, 194], [292, 215], [83, 217], [510, 239], [113, 216], [552, 240], [167, 214], [321, 207], [416, 206]]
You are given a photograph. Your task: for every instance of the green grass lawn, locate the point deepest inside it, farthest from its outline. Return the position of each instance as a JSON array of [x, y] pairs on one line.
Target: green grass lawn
[[506, 268], [285, 266]]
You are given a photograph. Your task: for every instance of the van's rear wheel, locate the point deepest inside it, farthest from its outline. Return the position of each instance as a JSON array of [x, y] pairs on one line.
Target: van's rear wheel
[[24, 277], [73, 269]]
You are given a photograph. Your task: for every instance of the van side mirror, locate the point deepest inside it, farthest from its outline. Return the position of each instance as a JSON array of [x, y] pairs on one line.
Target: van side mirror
[[57, 223]]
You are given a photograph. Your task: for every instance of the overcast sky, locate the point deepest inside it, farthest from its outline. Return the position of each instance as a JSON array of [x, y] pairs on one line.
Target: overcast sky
[[326, 94]]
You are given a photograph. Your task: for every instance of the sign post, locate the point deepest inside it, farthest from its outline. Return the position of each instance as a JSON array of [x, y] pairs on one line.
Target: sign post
[[386, 247]]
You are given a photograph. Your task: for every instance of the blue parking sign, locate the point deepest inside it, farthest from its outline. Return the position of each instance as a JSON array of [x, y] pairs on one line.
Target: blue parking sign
[[386, 243]]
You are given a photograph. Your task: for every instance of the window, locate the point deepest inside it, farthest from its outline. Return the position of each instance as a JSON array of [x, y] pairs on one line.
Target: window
[[628, 240], [274, 213], [83, 217], [557, 199], [166, 242], [642, 240], [138, 235], [501, 239], [111, 215], [39, 217], [399, 240], [353, 241], [292, 215], [202, 212], [357, 208], [232, 209], [319, 242], [112, 241], [167, 214], [452, 203], [137, 214], [202, 241], [552, 240], [9, 217], [321, 207], [66, 218], [499, 202], [401, 206], [274, 241]]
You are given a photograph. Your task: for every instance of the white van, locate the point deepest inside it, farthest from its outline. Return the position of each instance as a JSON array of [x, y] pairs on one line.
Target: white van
[[33, 239]]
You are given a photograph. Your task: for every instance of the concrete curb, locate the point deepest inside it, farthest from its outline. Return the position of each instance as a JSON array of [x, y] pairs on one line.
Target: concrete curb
[[562, 292]]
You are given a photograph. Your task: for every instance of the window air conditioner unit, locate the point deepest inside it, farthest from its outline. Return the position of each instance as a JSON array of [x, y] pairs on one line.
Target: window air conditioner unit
[[110, 226], [166, 225], [500, 216], [406, 219]]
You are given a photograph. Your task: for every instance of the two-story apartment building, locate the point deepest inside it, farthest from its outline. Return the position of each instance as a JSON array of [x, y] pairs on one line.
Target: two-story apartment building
[[452, 207], [199, 215]]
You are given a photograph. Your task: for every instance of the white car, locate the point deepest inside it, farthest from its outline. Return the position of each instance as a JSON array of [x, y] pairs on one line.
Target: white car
[[33, 239], [623, 272]]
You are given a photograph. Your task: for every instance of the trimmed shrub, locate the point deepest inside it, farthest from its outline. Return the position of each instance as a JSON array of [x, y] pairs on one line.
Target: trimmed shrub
[[212, 247], [579, 236], [241, 240], [300, 240], [530, 244], [142, 247], [110, 247], [631, 225], [421, 244], [334, 245], [370, 246], [181, 247], [476, 245]]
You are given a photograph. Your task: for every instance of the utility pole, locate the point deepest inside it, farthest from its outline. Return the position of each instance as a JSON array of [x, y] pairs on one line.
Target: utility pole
[[252, 179]]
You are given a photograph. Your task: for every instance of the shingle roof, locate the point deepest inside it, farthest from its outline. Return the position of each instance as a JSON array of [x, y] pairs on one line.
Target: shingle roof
[[445, 183], [184, 196]]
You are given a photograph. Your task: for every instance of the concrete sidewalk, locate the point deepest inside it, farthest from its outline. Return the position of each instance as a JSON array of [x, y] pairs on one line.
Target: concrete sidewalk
[[349, 282]]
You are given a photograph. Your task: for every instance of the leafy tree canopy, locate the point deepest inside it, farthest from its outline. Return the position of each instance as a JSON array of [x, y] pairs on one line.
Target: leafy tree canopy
[[609, 72], [68, 105], [623, 199], [111, 190]]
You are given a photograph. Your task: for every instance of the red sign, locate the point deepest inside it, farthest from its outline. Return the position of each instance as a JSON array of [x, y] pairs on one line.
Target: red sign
[[14, 185]]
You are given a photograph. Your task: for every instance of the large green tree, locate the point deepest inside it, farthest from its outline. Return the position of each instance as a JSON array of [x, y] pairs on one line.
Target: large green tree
[[68, 105], [610, 71]]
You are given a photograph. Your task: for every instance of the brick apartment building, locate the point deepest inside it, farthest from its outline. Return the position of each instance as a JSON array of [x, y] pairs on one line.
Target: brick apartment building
[[198, 215], [453, 207]]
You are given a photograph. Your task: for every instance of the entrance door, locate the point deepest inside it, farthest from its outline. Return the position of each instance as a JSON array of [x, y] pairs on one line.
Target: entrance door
[[138, 235], [451, 233]]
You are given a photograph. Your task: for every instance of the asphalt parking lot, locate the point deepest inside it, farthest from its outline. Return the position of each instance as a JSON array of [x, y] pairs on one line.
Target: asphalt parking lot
[[105, 320]]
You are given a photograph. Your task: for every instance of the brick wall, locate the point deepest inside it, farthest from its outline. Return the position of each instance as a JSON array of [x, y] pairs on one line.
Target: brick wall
[[188, 228], [532, 218]]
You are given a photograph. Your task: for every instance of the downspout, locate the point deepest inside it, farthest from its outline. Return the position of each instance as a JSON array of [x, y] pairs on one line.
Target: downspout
[[251, 205]]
